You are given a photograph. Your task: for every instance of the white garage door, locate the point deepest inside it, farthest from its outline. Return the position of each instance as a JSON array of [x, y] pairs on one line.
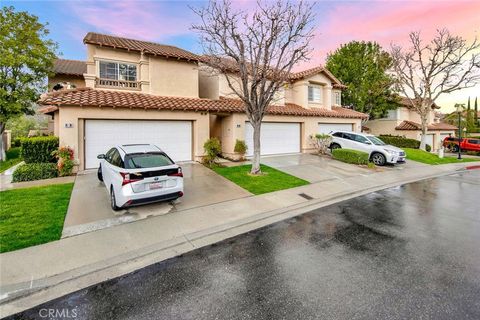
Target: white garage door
[[329, 127], [275, 138], [173, 137], [429, 140]]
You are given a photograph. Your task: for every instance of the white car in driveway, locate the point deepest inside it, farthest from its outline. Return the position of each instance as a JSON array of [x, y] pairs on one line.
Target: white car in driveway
[[136, 174], [380, 152]]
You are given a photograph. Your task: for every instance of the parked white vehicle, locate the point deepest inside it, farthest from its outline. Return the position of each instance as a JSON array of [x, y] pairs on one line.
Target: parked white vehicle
[[136, 174], [380, 152]]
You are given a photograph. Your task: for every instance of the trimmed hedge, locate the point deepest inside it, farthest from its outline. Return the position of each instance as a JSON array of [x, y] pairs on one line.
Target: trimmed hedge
[[350, 156], [401, 142], [35, 171], [39, 149], [13, 153]]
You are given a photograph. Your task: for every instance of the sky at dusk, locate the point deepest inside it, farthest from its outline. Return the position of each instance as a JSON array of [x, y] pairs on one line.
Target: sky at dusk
[[337, 22]]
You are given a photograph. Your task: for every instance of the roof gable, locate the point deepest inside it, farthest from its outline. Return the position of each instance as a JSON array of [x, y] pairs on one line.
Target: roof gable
[[147, 47]]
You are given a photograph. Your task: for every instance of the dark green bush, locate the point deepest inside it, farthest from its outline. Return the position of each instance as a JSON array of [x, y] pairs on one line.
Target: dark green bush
[[17, 142], [35, 171], [428, 148], [350, 156], [13, 153], [399, 141], [39, 149]]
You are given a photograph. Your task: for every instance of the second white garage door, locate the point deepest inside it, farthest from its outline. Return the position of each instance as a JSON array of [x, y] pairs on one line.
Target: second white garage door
[[173, 137], [275, 138], [329, 127]]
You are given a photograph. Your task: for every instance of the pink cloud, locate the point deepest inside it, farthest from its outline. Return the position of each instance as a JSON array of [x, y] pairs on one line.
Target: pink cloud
[[390, 22], [135, 19]]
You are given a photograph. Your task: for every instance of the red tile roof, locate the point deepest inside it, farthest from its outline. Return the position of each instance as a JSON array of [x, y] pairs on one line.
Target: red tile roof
[[406, 102], [153, 48], [118, 99], [70, 67], [313, 71], [410, 125]]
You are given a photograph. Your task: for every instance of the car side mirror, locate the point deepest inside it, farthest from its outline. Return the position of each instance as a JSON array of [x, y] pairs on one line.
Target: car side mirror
[[101, 156], [367, 142]]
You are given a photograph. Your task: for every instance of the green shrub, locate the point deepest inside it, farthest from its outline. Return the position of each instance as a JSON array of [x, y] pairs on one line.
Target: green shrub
[[35, 171], [16, 142], [39, 149], [428, 148], [240, 147], [401, 142], [212, 148], [350, 156], [13, 153]]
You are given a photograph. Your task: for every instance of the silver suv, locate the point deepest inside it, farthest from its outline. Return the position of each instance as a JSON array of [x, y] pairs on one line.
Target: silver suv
[[380, 153]]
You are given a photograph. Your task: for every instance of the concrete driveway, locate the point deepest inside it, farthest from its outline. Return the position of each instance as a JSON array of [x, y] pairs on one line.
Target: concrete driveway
[[314, 168], [89, 207]]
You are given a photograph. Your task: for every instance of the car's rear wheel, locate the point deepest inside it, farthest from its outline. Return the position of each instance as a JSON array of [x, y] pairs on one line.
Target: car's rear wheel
[[113, 201], [379, 159], [334, 146], [455, 148], [99, 173]]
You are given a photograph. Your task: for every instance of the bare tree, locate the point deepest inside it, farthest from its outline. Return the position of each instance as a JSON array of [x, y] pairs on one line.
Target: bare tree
[[426, 71], [255, 51]]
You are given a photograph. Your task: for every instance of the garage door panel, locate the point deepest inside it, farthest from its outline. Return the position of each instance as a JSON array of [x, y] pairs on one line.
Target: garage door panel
[[326, 128], [275, 138], [174, 137]]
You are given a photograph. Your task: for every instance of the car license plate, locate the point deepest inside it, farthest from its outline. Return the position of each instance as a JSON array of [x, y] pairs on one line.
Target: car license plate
[[156, 185]]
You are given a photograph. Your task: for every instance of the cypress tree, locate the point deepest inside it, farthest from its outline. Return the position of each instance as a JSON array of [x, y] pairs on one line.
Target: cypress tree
[[476, 112]]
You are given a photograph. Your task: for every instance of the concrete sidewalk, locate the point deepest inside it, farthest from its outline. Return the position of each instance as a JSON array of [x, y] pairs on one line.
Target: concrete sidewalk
[[41, 273]]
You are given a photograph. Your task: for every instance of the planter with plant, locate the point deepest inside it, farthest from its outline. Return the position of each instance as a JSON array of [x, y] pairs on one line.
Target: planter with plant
[[321, 142], [240, 149], [212, 148], [65, 161]]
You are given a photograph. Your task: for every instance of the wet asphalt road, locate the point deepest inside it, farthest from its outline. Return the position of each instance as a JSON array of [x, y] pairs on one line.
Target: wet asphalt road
[[409, 252]]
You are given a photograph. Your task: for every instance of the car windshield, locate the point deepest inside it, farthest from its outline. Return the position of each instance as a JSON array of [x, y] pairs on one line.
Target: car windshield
[[376, 141], [147, 160]]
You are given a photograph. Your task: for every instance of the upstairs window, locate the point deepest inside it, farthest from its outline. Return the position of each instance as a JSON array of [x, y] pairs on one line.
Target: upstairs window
[[118, 71], [337, 98], [314, 94]]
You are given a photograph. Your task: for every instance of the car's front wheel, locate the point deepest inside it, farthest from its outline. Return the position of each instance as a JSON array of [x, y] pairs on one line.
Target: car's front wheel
[[99, 173], [455, 148], [379, 159], [113, 200], [334, 146]]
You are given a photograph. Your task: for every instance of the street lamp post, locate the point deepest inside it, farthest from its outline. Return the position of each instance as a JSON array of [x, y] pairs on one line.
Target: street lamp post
[[459, 108]]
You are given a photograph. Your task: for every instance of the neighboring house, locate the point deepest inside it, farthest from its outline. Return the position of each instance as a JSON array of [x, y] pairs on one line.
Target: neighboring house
[[404, 121], [135, 91]]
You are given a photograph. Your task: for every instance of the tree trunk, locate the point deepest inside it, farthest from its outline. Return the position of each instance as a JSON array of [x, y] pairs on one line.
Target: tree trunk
[[256, 148], [423, 140], [2, 147]]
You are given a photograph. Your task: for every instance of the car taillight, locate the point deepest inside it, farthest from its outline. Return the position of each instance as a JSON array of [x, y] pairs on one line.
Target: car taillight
[[179, 173], [130, 177]]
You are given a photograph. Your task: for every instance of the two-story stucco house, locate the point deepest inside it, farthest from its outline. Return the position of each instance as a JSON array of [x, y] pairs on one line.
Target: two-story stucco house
[[404, 121], [131, 91]]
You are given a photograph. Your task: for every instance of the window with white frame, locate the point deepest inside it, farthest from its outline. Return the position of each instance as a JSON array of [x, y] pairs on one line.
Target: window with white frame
[[118, 71], [337, 98], [314, 93]]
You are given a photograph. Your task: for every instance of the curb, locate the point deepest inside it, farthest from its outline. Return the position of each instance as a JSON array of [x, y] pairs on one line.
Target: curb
[[85, 276]]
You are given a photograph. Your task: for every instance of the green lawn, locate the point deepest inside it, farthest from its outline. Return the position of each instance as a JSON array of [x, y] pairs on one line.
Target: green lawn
[[13, 157], [271, 180], [430, 158], [32, 216]]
